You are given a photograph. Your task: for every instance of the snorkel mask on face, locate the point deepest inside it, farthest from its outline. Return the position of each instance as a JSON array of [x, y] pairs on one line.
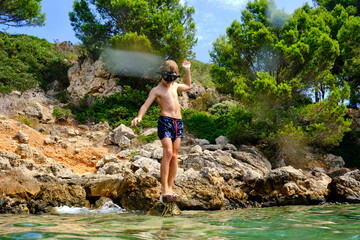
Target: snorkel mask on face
[[169, 76]]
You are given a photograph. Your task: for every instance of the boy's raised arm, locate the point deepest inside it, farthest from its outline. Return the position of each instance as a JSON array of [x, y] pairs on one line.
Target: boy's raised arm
[[144, 108], [187, 86]]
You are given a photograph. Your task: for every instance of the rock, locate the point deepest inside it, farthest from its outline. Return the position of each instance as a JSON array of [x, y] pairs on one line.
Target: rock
[[98, 185], [83, 127], [338, 172], [13, 205], [124, 153], [145, 153], [15, 183], [211, 147], [346, 188], [139, 192], [103, 201], [123, 130], [61, 171], [106, 159], [22, 137], [287, 185], [196, 90], [333, 162], [71, 132], [221, 140], [12, 158], [4, 164], [49, 141], [151, 146], [196, 149], [202, 142], [159, 210], [230, 147], [157, 153], [113, 168], [34, 110], [101, 126], [149, 131], [24, 151], [89, 77], [147, 164], [60, 194], [254, 159], [227, 167], [200, 190], [123, 135]]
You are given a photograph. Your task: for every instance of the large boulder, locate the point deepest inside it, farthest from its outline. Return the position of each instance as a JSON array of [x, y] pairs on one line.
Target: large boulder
[[346, 188], [287, 186], [97, 185], [123, 135], [139, 192], [16, 183], [333, 162], [200, 189], [89, 77], [254, 158], [226, 165]]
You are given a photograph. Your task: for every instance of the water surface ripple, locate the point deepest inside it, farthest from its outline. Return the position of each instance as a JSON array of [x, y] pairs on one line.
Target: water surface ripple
[[290, 222]]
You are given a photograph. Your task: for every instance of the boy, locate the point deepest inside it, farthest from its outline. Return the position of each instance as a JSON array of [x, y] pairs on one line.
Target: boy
[[170, 124]]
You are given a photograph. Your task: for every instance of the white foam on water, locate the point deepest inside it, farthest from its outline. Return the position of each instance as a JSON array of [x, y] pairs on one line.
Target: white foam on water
[[108, 208]]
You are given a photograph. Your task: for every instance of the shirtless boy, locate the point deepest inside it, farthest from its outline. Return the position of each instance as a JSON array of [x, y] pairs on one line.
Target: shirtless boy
[[170, 124]]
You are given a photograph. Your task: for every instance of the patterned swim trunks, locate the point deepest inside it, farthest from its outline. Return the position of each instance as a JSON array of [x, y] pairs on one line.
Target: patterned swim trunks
[[170, 127]]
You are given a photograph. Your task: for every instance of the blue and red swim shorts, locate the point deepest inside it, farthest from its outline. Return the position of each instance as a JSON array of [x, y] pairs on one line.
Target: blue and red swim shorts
[[170, 127]]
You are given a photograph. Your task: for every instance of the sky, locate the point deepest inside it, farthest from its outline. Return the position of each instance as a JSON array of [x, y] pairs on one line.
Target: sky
[[212, 17]]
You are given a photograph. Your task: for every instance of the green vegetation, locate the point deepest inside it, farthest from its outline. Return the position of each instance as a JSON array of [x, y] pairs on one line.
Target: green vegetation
[[147, 139], [25, 120], [116, 109], [167, 25], [270, 62], [200, 73], [19, 13], [27, 62], [60, 113], [288, 76]]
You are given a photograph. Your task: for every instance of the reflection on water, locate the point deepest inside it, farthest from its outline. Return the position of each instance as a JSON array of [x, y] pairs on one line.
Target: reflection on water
[[291, 222]]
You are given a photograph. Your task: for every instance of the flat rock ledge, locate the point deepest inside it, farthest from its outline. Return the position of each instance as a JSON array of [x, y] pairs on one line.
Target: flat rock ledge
[[206, 180]]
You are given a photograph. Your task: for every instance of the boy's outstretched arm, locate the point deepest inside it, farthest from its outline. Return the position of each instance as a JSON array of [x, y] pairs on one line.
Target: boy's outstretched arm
[[144, 108], [187, 86]]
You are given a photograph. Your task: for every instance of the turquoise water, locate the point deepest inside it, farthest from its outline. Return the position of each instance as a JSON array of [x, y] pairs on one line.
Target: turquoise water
[[290, 222]]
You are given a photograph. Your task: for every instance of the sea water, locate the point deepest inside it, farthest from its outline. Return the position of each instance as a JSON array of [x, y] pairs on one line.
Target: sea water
[[112, 222]]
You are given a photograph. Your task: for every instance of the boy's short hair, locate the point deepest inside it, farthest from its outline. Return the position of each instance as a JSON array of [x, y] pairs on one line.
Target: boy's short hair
[[169, 66]]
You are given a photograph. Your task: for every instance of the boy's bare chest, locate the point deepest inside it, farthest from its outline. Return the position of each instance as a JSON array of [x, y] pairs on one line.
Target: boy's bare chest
[[167, 94]]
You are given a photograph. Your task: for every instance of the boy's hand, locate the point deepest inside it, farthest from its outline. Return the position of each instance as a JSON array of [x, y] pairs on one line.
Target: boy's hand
[[186, 65], [135, 121]]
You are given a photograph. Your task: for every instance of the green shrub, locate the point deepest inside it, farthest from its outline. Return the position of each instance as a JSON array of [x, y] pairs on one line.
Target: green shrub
[[119, 108], [205, 101], [60, 113], [147, 139], [25, 120], [222, 108], [27, 62]]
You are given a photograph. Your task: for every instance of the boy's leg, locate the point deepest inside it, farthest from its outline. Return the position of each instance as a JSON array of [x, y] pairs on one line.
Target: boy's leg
[[173, 163], [165, 162]]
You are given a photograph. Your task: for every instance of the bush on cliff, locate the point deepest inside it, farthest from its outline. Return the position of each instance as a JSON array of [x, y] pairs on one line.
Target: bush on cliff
[[116, 109], [239, 125], [27, 62]]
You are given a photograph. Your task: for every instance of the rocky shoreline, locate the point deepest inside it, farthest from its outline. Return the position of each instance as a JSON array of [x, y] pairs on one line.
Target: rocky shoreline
[[50, 164], [210, 177]]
